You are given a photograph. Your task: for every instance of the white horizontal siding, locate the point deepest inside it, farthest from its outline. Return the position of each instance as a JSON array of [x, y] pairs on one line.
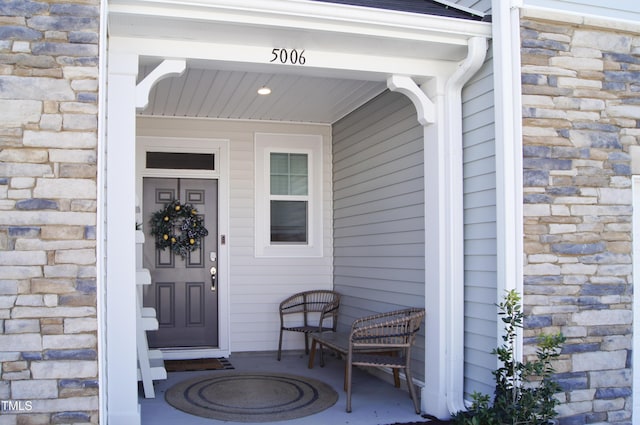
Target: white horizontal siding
[[257, 285], [624, 10], [480, 259], [379, 211]]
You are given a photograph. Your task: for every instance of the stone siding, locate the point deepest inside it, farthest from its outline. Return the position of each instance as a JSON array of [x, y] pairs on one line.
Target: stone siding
[[48, 142], [581, 118]]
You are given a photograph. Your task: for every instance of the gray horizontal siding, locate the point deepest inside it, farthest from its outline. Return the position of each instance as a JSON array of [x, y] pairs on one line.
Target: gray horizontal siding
[[480, 245], [379, 211], [479, 5]]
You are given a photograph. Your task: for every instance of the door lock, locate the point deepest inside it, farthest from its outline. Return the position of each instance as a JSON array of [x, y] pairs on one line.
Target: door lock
[[213, 272]]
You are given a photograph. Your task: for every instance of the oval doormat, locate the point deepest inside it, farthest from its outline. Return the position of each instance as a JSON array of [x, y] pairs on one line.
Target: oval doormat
[[251, 397]]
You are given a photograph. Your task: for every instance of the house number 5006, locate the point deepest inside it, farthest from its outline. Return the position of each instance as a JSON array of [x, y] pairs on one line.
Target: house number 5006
[[288, 56]]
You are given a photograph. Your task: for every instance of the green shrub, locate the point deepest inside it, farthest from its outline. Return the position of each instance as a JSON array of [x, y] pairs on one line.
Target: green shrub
[[524, 391]]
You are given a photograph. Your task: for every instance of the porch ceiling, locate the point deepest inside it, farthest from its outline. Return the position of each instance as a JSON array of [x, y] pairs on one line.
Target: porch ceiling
[[228, 46], [228, 94]]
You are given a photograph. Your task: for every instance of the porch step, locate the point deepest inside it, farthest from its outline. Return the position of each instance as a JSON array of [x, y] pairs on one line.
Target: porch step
[[149, 323], [143, 277], [148, 312], [155, 355], [156, 371], [150, 362]]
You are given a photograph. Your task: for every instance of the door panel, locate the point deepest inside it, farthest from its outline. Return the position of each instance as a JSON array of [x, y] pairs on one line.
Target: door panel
[[195, 296], [165, 304], [181, 289]]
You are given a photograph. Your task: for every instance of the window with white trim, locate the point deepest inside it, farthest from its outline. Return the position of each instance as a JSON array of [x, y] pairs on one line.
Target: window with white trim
[[288, 189], [289, 197]]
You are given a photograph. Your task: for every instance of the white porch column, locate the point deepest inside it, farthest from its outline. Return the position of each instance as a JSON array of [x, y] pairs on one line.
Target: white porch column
[[434, 394], [120, 318], [439, 108]]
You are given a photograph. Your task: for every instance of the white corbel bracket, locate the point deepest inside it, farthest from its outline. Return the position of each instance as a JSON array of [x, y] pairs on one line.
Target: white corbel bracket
[[424, 106], [167, 68]]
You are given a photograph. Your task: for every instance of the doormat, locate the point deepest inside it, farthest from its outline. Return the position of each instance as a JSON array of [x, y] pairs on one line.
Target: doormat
[[251, 397], [197, 364]]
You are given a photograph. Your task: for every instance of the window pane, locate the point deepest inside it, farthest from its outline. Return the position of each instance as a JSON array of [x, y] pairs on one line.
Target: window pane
[[289, 221], [279, 185], [181, 161], [289, 174], [298, 163], [298, 186], [279, 163]]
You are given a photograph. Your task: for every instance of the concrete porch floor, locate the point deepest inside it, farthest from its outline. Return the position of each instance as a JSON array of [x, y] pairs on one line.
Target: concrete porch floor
[[374, 401]]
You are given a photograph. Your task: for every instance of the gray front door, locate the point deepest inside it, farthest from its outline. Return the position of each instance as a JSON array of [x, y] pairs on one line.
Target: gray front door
[[182, 290]]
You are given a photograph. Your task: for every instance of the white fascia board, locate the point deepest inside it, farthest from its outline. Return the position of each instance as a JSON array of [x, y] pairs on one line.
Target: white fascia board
[[310, 16], [255, 58]]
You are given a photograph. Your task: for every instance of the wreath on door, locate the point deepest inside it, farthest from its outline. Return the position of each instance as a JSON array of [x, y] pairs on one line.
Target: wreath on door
[[178, 227]]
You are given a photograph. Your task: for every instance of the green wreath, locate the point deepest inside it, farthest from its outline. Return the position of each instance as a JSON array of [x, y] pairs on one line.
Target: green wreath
[[178, 227]]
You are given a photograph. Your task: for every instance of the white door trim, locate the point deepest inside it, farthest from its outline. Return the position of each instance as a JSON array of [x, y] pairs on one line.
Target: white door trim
[[219, 147]]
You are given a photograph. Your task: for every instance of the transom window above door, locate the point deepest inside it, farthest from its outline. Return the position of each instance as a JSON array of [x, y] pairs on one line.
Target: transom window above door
[[181, 161], [288, 205]]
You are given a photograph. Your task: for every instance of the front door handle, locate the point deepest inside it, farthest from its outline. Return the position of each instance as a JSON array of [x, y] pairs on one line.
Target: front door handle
[[213, 272]]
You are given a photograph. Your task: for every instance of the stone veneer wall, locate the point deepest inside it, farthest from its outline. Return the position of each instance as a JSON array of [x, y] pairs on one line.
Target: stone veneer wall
[[581, 116], [48, 142]]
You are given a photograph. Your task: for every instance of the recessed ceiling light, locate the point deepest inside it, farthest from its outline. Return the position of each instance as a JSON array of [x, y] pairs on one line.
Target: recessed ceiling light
[[263, 91]]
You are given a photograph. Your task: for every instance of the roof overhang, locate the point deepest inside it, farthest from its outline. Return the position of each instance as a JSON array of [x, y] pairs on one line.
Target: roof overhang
[[348, 39]]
